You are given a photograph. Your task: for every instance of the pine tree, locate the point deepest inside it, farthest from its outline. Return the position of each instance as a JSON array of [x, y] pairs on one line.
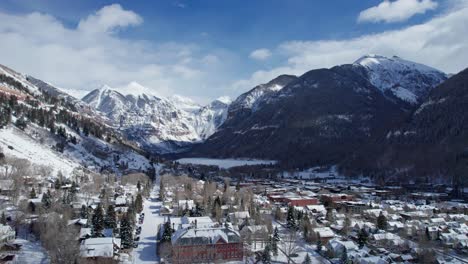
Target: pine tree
[[167, 234], [110, 220], [126, 232], [307, 260], [57, 184], [381, 222], [32, 194], [291, 220], [84, 212], [98, 221], [266, 255], [46, 203], [319, 243], [139, 186], [274, 241], [362, 238], [139, 203], [3, 219]]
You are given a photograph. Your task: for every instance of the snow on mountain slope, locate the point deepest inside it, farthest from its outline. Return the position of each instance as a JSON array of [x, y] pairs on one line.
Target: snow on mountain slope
[[16, 143], [156, 123], [407, 80], [19, 78], [252, 98], [184, 103], [35, 144], [209, 118]]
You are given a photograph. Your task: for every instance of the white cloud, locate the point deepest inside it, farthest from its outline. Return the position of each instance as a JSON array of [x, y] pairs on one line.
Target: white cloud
[[260, 54], [396, 11], [109, 18], [441, 43], [93, 53]]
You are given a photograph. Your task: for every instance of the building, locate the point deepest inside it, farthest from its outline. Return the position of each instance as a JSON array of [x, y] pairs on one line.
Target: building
[[301, 201], [206, 243], [100, 248]]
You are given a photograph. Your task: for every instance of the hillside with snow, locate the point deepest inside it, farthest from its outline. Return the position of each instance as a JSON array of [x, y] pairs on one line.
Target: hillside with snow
[[47, 127]]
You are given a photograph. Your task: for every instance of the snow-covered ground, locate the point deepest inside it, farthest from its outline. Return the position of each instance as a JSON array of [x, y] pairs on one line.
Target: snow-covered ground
[[146, 251], [25, 147], [31, 252], [224, 163]]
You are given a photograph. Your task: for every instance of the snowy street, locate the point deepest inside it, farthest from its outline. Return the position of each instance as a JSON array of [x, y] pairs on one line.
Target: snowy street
[[146, 251]]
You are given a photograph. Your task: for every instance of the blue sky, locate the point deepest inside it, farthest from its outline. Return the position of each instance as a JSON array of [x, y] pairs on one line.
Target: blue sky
[[205, 49]]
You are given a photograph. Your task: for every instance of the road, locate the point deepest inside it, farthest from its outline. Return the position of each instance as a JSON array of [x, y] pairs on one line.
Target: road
[[146, 251]]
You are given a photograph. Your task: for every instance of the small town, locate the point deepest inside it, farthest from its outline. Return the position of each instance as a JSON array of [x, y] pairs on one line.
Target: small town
[[211, 216], [237, 132]]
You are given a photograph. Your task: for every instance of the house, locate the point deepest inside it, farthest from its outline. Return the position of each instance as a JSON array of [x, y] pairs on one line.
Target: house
[[195, 244], [238, 217], [99, 248], [256, 236], [7, 234], [337, 247], [7, 187], [325, 234]]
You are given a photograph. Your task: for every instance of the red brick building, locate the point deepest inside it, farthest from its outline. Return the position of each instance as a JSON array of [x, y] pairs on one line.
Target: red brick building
[[206, 244], [302, 201]]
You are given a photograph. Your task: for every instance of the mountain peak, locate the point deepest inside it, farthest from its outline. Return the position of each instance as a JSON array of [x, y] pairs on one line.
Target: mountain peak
[[407, 80]]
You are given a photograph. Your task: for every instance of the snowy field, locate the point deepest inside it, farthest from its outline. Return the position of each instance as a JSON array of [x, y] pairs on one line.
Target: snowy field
[[224, 163]]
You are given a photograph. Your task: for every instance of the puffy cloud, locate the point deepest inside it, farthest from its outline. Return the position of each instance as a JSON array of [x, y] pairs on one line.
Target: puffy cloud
[[93, 53], [260, 54], [396, 11], [108, 19], [441, 42]]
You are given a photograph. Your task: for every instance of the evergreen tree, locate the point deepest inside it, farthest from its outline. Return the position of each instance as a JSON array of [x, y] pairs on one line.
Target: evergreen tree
[[381, 222], [266, 254], [139, 186], [319, 243], [167, 234], [307, 260], [98, 221], [126, 232], [57, 184], [291, 220], [3, 219], [84, 212], [32, 194], [274, 242], [362, 238], [110, 220], [139, 203], [46, 203]]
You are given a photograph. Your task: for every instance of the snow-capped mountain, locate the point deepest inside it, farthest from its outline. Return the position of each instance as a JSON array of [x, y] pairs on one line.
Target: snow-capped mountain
[[156, 123], [325, 114], [407, 80], [48, 127]]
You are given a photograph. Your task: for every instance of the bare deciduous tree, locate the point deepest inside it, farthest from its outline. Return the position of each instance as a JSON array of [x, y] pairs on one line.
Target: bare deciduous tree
[[288, 244]]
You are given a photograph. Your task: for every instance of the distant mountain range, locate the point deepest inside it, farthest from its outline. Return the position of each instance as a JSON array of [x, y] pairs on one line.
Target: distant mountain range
[[379, 115], [159, 125]]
